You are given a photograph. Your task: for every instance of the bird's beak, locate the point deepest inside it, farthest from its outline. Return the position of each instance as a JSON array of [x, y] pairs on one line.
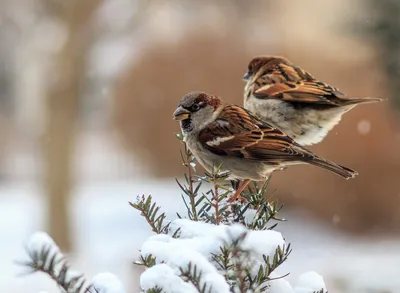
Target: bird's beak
[[181, 113], [246, 76]]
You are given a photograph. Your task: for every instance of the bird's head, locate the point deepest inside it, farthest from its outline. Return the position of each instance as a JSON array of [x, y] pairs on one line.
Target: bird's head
[[197, 109], [261, 62]]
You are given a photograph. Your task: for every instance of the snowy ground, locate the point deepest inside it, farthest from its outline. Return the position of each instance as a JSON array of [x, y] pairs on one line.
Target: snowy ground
[[108, 232]]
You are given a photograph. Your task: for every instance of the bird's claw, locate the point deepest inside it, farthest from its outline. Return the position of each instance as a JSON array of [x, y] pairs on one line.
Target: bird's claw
[[237, 196]]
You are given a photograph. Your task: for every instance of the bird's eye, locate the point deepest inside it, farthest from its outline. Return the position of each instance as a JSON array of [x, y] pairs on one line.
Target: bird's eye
[[195, 107]]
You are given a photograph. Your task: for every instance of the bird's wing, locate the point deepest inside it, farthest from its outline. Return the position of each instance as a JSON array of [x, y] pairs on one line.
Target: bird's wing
[[236, 132], [293, 84]]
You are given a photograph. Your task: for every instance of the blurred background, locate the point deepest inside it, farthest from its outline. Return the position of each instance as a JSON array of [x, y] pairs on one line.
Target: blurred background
[[87, 89]]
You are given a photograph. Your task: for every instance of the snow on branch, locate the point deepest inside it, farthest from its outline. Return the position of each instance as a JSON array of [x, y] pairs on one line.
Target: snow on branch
[[217, 247], [218, 256], [46, 257], [106, 283]]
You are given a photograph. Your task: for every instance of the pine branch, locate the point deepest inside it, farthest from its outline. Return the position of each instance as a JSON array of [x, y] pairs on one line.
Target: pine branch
[[257, 195], [280, 256], [51, 262], [265, 210], [150, 211], [189, 179], [222, 260], [189, 189], [147, 261], [154, 290], [241, 269], [237, 264], [193, 276], [215, 199]]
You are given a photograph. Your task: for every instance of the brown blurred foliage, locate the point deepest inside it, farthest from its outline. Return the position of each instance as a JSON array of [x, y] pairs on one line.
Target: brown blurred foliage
[[148, 93]]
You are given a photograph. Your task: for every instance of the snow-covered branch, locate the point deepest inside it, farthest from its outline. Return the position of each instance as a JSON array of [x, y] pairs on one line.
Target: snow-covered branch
[[219, 258], [46, 257], [220, 247]]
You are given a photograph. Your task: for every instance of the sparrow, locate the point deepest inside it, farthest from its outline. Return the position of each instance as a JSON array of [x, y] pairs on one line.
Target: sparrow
[[244, 146], [291, 99]]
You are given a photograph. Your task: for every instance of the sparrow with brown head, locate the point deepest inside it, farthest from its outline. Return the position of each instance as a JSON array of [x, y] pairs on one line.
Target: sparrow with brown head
[[293, 100], [247, 148]]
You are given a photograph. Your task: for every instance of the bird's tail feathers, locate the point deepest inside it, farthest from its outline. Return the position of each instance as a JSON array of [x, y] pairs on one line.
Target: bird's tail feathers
[[354, 101], [342, 171]]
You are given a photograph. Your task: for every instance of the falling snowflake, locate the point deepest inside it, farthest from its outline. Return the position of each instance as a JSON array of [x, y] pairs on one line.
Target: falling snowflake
[[364, 127]]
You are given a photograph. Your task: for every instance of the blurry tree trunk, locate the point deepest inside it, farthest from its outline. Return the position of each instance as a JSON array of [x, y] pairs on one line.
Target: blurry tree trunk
[[386, 31], [62, 114]]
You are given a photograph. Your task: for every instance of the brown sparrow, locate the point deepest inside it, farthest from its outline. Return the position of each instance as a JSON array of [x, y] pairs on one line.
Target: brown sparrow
[[247, 147], [290, 98]]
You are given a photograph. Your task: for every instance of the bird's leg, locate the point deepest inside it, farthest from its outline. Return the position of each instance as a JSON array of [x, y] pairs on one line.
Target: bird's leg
[[239, 190]]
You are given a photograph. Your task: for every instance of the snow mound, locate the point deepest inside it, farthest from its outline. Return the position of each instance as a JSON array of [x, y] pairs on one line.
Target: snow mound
[[107, 283], [195, 247]]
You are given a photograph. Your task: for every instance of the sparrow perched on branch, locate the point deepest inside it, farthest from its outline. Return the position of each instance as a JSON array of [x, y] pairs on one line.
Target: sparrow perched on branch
[[247, 147], [290, 98]]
